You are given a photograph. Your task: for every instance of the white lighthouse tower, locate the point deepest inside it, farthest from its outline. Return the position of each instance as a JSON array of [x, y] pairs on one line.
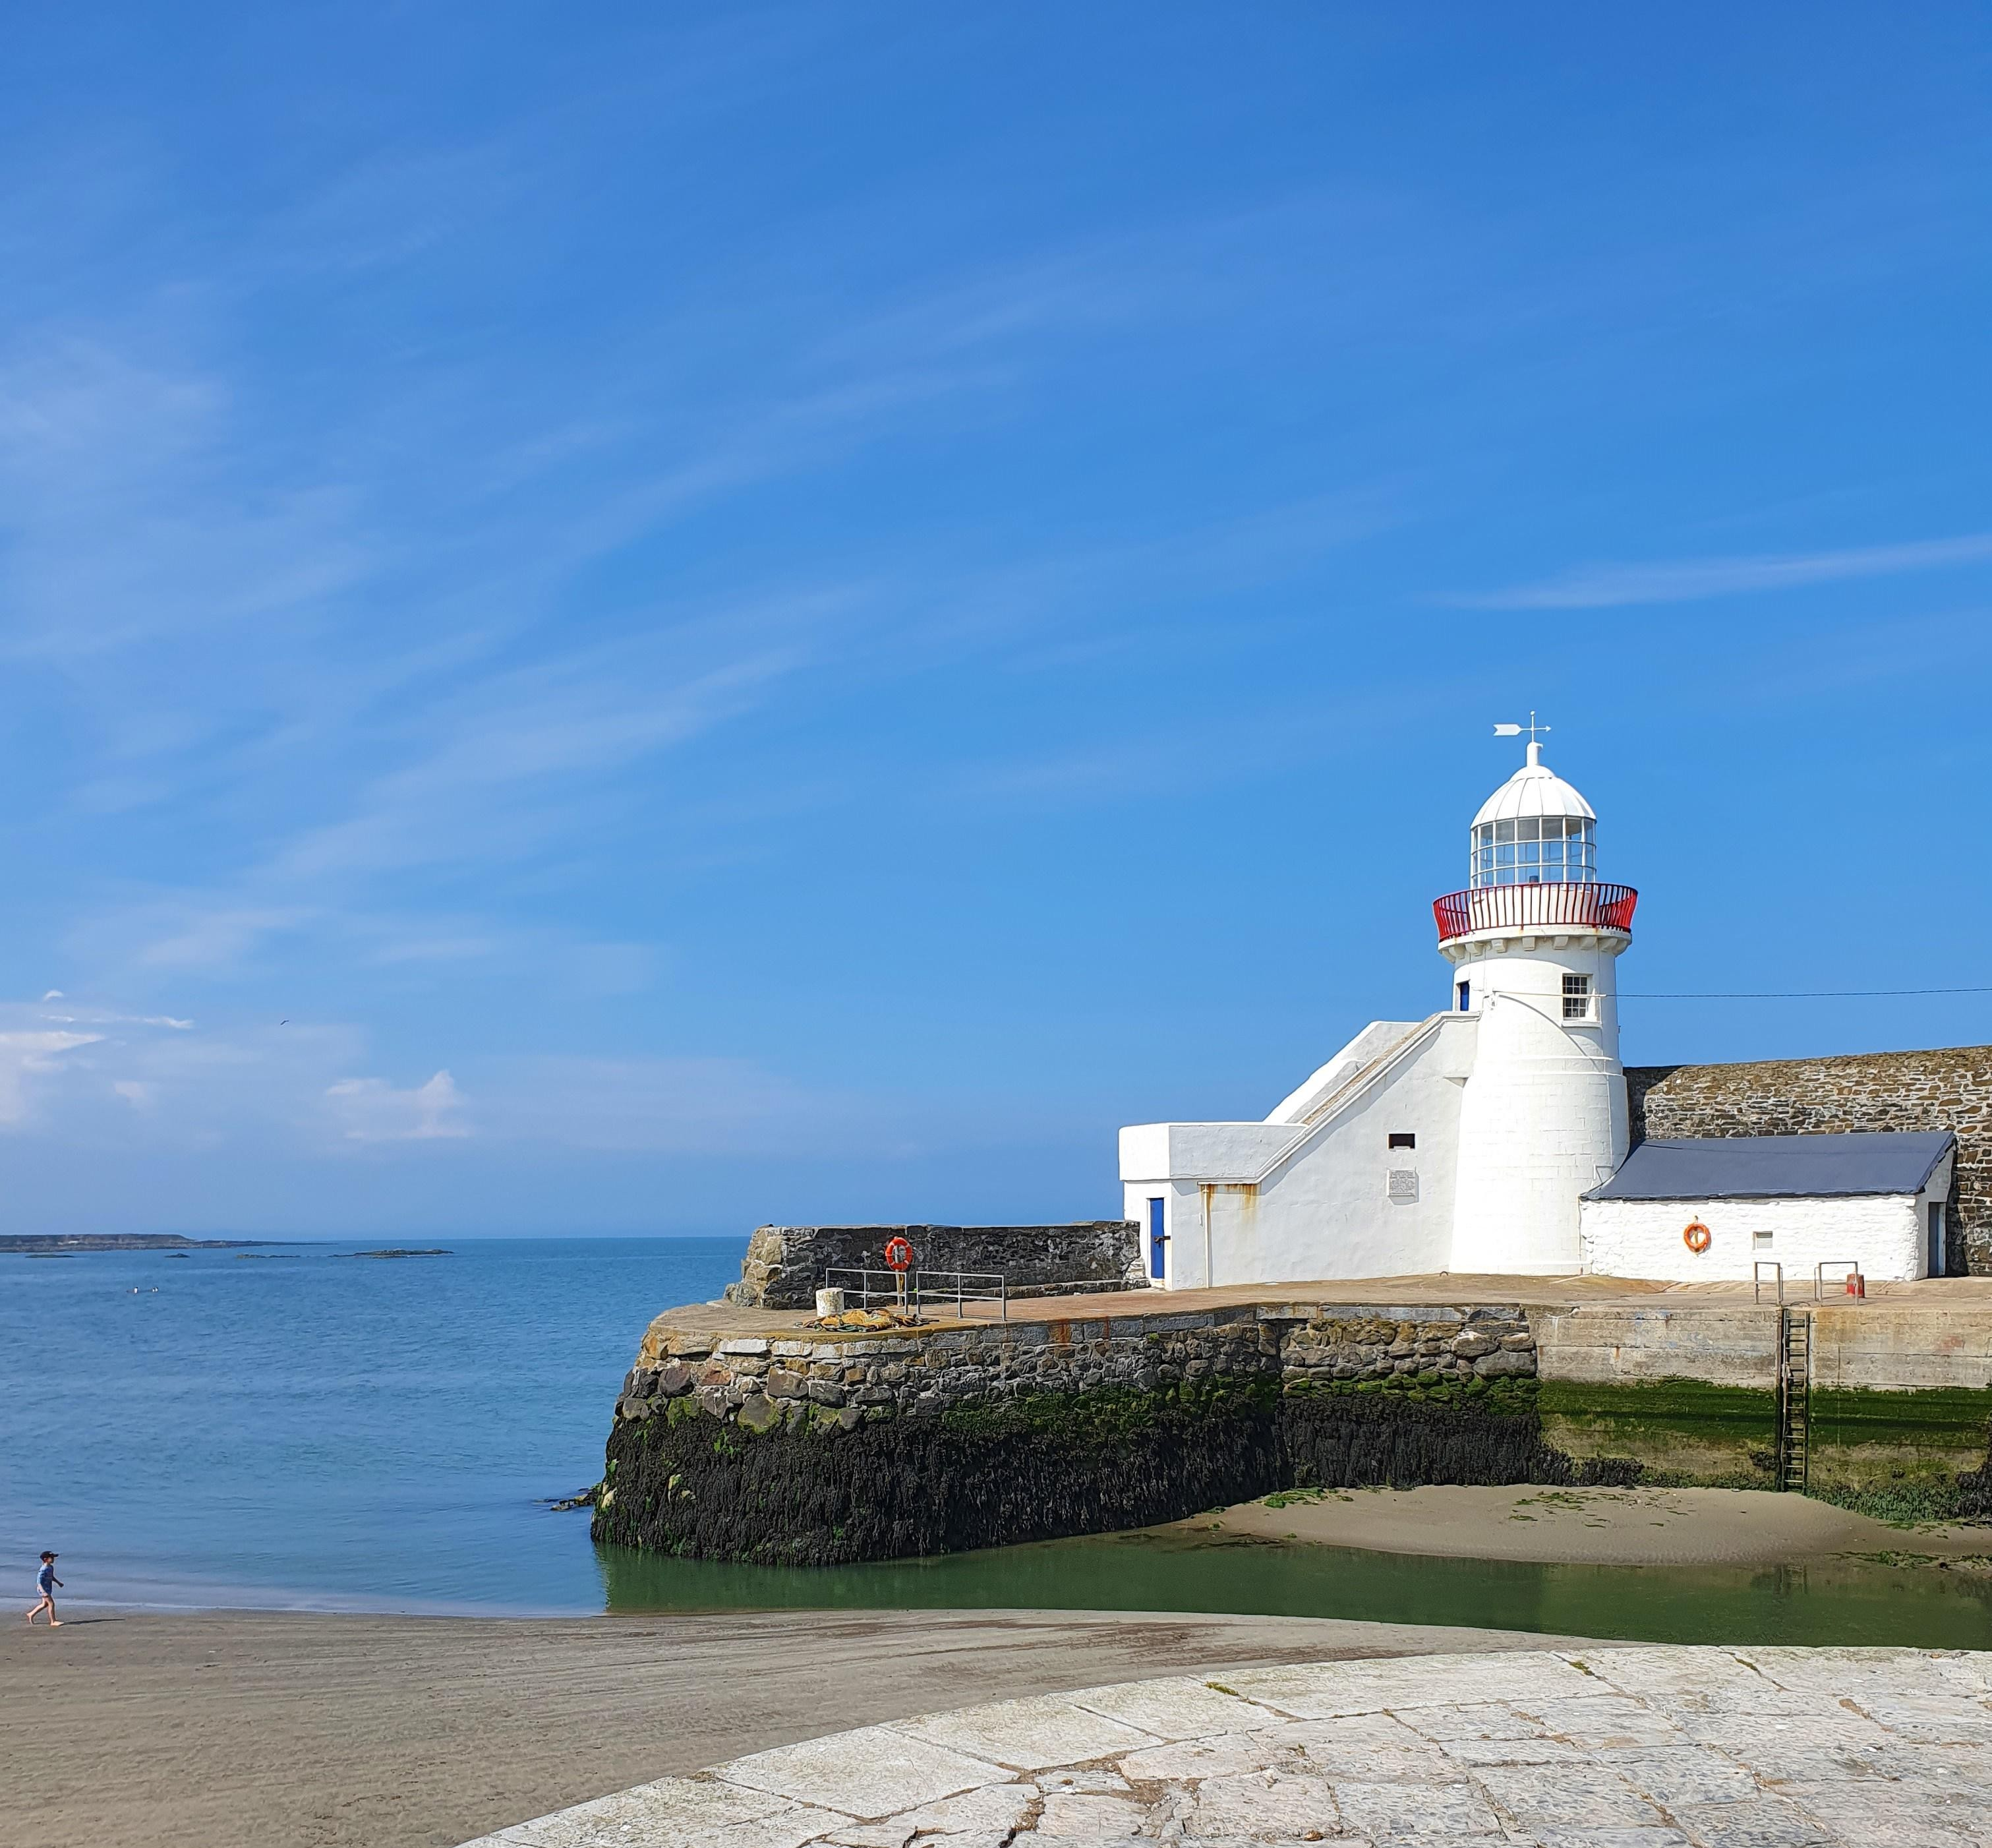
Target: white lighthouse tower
[[1533, 941]]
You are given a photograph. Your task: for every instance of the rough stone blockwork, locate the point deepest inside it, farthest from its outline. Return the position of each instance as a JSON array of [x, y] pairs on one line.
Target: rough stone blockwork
[[824, 1450], [816, 1449], [784, 1264], [1949, 1087]]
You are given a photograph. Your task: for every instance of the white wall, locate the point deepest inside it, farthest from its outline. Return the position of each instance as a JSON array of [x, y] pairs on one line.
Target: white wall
[[1544, 1118], [1375, 1039], [1322, 1208], [1885, 1235]]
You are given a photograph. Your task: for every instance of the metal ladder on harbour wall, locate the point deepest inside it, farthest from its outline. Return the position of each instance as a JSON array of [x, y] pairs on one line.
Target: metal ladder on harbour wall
[[1794, 1398]]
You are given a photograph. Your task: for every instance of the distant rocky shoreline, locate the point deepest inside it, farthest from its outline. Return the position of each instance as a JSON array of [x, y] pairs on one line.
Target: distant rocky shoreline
[[38, 1243]]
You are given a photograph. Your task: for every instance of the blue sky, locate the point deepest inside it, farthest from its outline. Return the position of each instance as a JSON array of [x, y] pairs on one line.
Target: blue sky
[[650, 619]]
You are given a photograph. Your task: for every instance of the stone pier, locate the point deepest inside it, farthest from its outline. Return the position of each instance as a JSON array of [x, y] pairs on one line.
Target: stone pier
[[745, 1435]]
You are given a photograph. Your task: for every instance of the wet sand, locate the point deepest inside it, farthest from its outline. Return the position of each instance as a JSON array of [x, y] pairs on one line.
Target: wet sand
[[1598, 1527], [279, 1731]]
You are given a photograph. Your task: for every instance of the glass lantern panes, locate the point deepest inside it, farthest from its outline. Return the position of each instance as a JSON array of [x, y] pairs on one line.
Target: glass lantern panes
[[1533, 850]]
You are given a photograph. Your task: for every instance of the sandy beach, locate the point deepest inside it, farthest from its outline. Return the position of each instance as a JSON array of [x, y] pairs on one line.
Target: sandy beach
[[273, 1730], [297, 1730], [1599, 1527]]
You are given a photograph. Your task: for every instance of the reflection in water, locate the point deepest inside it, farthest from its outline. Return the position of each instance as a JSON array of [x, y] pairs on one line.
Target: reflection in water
[[1844, 1601]]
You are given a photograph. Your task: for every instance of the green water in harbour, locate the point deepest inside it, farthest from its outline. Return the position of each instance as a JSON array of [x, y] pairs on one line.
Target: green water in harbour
[[1839, 1600]]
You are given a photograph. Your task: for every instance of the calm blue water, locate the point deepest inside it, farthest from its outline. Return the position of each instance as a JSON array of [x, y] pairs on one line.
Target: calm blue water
[[306, 1429]]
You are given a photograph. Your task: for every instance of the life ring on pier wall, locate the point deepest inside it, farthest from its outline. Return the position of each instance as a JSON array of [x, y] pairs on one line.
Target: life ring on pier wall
[[1697, 1236], [898, 1254]]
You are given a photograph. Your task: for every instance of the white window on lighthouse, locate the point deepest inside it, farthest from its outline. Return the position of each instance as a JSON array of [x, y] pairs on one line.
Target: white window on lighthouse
[[1577, 997]]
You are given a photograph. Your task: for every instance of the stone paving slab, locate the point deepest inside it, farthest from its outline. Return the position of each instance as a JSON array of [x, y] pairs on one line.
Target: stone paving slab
[[1632, 1747], [1354, 1296]]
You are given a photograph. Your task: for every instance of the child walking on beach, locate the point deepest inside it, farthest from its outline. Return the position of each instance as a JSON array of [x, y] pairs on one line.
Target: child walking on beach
[[47, 1584]]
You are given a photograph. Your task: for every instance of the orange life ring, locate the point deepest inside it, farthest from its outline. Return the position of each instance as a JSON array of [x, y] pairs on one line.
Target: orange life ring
[[898, 1254], [1696, 1237]]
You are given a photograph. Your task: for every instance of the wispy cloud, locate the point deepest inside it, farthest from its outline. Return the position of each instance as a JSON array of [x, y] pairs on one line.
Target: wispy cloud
[[102, 1078], [1693, 580], [373, 1111], [26, 1056], [212, 938]]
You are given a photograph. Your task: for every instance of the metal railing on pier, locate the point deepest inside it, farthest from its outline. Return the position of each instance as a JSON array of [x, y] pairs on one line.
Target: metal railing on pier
[[914, 1291]]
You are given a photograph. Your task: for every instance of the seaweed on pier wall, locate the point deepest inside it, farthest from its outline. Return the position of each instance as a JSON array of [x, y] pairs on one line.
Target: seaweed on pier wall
[[1917, 1455], [1679, 1431], [1034, 1468], [823, 1455], [1364, 1435], [1041, 1466]]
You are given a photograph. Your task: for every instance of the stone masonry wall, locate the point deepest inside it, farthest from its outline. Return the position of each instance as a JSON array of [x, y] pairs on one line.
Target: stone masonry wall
[[812, 1449], [784, 1264], [760, 1381], [808, 1447], [1949, 1087]]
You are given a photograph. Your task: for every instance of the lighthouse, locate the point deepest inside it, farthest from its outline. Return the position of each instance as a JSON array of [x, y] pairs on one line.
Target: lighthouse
[[1533, 941], [1463, 1141], [1491, 1136]]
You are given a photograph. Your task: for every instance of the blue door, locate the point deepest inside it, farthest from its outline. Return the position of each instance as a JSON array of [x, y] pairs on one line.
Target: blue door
[[1159, 1238]]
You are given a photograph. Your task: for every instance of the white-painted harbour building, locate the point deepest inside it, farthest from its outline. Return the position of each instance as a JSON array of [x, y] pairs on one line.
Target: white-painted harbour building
[[1803, 1202], [1488, 1137]]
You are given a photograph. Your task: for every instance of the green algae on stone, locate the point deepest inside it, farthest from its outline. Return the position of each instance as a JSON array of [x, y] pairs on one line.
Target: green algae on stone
[[1682, 1433], [1906, 1456]]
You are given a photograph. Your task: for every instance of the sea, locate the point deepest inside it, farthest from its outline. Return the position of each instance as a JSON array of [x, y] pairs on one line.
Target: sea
[[297, 1427], [294, 1425]]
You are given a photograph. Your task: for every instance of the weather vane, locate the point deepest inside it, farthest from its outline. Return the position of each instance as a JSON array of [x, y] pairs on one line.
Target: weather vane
[[1515, 731]]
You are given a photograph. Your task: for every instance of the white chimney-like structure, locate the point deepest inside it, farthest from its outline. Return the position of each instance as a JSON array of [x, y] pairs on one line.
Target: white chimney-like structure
[[1533, 941]]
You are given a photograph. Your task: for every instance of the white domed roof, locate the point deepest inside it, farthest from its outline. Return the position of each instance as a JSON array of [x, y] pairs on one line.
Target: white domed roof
[[1534, 789]]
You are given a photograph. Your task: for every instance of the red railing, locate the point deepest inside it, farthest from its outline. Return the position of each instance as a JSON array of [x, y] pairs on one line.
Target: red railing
[[1579, 906]]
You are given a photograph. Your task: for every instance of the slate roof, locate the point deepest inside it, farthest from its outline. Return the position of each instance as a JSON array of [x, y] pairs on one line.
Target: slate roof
[[1779, 1168]]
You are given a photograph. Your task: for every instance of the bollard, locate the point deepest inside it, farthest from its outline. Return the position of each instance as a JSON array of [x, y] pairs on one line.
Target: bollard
[[829, 1301], [1856, 1285]]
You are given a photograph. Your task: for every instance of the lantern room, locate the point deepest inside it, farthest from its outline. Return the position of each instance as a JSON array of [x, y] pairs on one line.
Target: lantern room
[[1534, 830]]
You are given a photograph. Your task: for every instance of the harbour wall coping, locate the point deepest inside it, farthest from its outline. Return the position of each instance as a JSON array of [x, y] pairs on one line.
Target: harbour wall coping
[[1725, 1346], [1876, 1345]]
